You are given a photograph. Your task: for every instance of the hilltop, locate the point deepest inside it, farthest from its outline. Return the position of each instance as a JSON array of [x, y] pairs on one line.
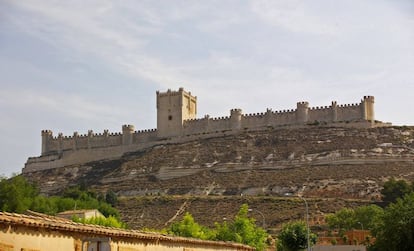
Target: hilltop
[[321, 162], [270, 162]]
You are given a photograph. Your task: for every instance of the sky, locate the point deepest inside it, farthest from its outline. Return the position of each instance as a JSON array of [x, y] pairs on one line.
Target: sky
[[92, 65]]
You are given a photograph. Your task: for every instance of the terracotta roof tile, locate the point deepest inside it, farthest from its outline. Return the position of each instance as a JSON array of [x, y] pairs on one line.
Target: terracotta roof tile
[[51, 222]]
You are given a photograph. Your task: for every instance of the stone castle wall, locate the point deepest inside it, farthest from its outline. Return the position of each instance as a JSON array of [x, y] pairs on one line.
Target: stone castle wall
[[302, 115], [92, 140], [173, 109]]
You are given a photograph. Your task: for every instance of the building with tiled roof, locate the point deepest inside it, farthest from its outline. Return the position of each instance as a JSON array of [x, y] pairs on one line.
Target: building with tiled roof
[[48, 233], [82, 213]]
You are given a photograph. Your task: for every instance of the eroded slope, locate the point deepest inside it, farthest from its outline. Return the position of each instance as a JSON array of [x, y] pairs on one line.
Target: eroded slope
[[321, 161]]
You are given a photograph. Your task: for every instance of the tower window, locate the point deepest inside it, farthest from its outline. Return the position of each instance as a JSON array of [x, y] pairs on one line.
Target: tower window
[[169, 117]]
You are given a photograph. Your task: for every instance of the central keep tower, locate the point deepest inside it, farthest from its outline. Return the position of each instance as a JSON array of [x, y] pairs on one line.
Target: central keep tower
[[173, 108]]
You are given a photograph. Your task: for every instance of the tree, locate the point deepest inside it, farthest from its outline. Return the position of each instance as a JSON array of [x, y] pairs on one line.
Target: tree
[[16, 194], [111, 198], [64, 204], [396, 232], [102, 221], [243, 230], [368, 217], [108, 210], [343, 220], [187, 227], [394, 189], [293, 236], [45, 205], [223, 232], [84, 199]]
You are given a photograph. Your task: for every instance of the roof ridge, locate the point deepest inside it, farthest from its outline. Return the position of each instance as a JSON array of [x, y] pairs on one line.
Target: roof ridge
[[55, 223]]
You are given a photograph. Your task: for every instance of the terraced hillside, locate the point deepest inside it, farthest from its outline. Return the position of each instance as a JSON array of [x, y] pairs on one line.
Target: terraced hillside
[[270, 212], [319, 162]]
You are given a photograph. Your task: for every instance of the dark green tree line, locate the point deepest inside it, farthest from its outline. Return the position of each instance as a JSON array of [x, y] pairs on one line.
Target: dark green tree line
[[364, 217], [18, 195], [394, 189], [396, 229], [392, 227]]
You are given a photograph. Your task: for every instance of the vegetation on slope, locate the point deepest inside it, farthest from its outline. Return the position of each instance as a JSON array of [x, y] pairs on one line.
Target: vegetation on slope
[[18, 195], [392, 227], [242, 229], [394, 189], [270, 212], [294, 236], [109, 221], [332, 163], [364, 217], [396, 228]]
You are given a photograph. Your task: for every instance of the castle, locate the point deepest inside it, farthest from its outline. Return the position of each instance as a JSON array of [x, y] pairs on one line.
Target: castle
[[177, 122]]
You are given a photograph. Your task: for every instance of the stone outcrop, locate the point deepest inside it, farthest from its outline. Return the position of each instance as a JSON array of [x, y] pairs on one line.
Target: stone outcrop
[[269, 212], [210, 177], [324, 161]]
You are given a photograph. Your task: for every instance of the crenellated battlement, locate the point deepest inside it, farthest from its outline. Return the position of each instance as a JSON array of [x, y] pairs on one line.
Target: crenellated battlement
[[145, 131], [254, 114], [319, 108], [61, 143], [220, 118], [180, 91], [46, 132], [350, 105], [170, 93], [302, 104], [90, 134], [302, 115], [176, 119], [235, 111]]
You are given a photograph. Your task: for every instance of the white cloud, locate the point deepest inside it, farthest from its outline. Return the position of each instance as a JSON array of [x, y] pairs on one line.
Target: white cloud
[[95, 29], [294, 16], [247, 54], [72, 107]]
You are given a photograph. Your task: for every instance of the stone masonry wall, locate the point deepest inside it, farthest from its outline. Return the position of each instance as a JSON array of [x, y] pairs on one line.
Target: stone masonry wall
[[97, 146], [301, 116]]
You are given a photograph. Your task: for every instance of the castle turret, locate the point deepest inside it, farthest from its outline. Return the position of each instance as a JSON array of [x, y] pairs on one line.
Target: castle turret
[[302, 110], [173, 108], [235, 118], [334, 107], [368, 108], [90, 136], [75, 141], [60, 143], [47, 135], [127, 134]]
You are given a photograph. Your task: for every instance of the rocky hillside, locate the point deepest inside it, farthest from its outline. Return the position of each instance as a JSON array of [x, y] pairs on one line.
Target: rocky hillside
[[270, 212], [328, 162], [320, 162]]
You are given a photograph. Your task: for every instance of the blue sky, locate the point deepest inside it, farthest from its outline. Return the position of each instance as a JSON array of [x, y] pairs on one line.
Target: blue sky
[[78, 65]]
